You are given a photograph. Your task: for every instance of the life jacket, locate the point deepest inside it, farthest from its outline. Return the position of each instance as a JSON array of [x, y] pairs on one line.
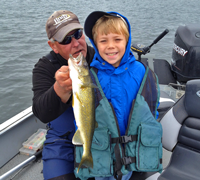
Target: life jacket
[[140, 149]]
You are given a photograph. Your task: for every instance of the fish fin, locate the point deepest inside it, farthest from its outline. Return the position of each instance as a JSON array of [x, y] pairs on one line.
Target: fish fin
[[77, 140], [96, 124], [91, 85], [87, 161], [73, 101], [76, 94]]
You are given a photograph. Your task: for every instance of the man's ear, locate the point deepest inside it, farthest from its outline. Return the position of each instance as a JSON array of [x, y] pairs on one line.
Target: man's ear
[[53, 46]]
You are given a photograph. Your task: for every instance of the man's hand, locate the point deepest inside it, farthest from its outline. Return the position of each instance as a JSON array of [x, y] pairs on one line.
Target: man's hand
[[63, 84]]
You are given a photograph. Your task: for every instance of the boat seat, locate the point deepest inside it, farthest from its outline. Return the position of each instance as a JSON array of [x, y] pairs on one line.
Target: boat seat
[[181, 136], [166, 102], [162, 69]]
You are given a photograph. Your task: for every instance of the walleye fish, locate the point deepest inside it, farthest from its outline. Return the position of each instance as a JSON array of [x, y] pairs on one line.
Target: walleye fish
[[83, 106]]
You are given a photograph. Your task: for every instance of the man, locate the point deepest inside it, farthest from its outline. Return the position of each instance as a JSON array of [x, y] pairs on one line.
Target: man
[[52, 88]]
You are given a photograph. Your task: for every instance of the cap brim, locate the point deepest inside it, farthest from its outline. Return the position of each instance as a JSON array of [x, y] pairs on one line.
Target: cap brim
[[60, 35], [91, 20]]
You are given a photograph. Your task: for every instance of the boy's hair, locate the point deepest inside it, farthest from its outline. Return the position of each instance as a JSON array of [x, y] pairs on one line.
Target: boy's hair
[[110, 24]]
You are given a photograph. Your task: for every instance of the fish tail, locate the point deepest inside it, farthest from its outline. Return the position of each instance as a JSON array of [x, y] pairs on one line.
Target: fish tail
[[86, 160]]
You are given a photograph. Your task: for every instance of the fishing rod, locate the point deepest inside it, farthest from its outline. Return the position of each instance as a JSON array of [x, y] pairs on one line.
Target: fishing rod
[[33, 158], [141, 49]]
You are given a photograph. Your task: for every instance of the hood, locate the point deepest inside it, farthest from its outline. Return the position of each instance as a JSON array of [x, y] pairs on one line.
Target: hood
[[100, 63]]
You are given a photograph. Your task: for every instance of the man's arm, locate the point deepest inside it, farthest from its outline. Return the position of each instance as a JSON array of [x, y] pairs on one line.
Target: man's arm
[[52, 88], [47, 105]]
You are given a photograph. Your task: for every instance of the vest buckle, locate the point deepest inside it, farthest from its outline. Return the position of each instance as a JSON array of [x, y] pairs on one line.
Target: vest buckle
[[125, 139], [126, 160]]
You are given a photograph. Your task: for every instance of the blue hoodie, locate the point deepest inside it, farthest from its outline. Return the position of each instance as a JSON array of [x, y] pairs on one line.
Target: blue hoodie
[[120, 85]]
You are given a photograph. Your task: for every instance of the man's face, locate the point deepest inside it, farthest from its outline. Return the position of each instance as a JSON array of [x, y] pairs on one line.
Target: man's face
[[74, 48]]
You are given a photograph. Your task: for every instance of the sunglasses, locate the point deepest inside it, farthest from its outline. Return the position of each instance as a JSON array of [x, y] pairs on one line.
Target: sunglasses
[[68, 39]]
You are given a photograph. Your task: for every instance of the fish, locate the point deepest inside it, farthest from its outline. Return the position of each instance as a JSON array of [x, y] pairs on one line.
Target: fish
[[83, 103]]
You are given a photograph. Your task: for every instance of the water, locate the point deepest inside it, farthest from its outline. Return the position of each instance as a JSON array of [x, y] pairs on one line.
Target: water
[[23, 38]]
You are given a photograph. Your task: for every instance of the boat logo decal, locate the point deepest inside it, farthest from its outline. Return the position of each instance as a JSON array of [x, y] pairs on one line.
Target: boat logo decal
[[198, 93], [180, 50]]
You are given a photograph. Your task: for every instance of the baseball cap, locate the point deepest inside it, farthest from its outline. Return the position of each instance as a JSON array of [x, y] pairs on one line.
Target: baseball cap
[[93, 17], [60, 23]]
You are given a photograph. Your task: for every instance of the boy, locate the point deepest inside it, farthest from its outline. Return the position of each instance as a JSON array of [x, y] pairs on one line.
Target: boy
[[127, 97]]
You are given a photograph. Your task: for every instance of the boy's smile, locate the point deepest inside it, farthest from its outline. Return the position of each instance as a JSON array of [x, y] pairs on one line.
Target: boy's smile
[[111, 47]]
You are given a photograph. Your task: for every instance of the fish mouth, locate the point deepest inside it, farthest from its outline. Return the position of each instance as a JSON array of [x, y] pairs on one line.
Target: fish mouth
[[76, 61]]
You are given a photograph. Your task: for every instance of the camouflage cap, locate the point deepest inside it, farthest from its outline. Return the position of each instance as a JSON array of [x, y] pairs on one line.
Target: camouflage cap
[[60, 23]]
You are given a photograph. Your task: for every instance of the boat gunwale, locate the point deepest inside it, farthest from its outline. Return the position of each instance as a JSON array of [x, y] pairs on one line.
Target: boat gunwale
[[7, 125]]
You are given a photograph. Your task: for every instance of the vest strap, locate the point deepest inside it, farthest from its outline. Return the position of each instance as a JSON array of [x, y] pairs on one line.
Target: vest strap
[[161, 161], [124, 139], [77, 164], [53, 60], [118, 165], [128, 160]]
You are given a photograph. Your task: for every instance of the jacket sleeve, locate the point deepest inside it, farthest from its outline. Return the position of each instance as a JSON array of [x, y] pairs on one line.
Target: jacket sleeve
[[46, 105]]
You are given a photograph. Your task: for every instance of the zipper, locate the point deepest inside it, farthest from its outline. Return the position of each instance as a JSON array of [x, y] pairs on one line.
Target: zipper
[[116, 121], [119, 135], [129, 120], [139, 152]]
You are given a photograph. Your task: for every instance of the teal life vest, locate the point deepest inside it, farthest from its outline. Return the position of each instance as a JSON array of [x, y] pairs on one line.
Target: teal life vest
[[141, 147]]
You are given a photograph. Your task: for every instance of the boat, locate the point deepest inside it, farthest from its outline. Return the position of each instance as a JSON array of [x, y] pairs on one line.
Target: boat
[[180, 104], [173, 83], [185, 64], [13, 133]]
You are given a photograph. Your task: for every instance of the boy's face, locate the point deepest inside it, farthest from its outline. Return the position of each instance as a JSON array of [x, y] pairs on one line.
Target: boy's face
[[111, 47]]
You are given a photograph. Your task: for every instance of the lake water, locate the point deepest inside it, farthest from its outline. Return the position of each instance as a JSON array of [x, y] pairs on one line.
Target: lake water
[[23, 38]]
